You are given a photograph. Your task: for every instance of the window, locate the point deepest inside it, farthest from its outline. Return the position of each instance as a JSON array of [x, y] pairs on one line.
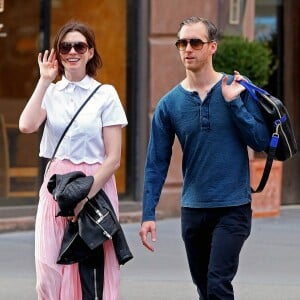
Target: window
[[268, 29]]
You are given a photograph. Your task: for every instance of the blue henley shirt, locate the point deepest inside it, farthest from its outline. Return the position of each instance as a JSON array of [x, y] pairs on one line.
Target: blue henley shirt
[[213, 135]]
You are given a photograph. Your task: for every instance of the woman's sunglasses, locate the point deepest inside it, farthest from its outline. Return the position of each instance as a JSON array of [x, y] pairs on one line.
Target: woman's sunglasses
[[196, 44], [79, 47]]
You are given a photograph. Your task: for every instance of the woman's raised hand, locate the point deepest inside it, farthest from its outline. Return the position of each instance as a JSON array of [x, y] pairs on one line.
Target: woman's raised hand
[[48, 65]]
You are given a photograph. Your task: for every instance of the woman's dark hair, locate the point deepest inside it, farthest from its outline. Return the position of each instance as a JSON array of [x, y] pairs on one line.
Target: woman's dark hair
[[95, 62], [212, 31]]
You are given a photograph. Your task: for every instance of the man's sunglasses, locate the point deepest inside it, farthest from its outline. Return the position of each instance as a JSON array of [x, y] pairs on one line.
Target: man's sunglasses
[[196, 44], [79, 47]]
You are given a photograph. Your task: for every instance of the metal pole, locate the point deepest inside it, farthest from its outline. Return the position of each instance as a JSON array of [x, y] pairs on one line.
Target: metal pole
[[138, 93], [45, 16]]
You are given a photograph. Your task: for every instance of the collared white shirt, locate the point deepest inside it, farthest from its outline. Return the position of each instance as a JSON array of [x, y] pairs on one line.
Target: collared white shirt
[[83, 141]]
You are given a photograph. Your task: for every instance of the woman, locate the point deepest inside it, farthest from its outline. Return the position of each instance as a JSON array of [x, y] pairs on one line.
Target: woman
[[92, 145]]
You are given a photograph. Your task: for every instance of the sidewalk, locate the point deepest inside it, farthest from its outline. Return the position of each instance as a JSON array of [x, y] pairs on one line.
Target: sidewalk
[[16, 218], [269, 263]]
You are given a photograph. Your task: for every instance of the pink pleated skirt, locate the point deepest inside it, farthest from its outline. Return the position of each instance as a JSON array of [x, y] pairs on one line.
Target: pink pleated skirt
[[62, 282]]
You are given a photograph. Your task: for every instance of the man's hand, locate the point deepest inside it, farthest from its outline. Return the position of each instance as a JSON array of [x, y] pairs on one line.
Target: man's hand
[[233, 90], [148, 226]]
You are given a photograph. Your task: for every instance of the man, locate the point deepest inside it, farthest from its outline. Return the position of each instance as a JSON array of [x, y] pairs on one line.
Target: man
[[215, 120]]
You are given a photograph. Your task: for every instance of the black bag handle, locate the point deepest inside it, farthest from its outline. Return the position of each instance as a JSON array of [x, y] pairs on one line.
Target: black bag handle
[[69, 125]]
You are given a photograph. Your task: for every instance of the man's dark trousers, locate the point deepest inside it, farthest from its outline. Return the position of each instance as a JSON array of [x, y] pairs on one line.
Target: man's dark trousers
[[213, 240]]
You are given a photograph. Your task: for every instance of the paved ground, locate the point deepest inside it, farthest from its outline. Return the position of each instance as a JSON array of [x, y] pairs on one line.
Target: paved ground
[[269, 268]]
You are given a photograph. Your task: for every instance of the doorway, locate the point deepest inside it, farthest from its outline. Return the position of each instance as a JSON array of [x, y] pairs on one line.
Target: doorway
[[22, 35]]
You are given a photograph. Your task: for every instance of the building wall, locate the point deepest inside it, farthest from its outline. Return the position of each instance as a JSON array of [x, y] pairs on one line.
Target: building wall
[[291, 170], [20, 42], [18, 74], [108, 20], [166, 70]]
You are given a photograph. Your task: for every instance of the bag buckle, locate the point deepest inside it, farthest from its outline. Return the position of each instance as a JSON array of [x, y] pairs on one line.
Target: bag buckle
[[100, 215], [274, 140]]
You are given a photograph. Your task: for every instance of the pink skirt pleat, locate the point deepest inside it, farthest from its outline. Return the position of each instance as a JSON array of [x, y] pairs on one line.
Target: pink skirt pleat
[[62, 282]]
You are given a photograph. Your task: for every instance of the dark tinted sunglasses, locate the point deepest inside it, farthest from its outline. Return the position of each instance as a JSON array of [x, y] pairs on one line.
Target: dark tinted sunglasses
[[196, 44], [79, 47]]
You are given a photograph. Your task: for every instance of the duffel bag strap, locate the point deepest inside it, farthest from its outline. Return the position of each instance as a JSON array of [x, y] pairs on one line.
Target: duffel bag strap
[[268, 165], [252, 89]]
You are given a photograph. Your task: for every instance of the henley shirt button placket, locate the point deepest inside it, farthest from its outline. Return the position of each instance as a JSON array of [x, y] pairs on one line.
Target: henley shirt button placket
[[205, 115]]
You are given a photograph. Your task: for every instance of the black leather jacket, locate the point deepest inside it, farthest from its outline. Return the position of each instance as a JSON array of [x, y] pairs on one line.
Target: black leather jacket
[[80, 237]]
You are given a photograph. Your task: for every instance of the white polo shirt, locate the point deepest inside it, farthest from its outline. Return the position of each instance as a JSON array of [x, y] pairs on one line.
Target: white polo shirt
[[83, 141]]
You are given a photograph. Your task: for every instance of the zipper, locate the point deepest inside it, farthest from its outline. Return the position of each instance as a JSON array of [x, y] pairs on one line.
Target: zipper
[[108, 235], [71, 241], [97, 211], [95, 284], [101, 217]]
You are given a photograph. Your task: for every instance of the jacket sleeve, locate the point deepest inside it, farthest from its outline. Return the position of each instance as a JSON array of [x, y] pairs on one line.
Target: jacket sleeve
[[157, 161]]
